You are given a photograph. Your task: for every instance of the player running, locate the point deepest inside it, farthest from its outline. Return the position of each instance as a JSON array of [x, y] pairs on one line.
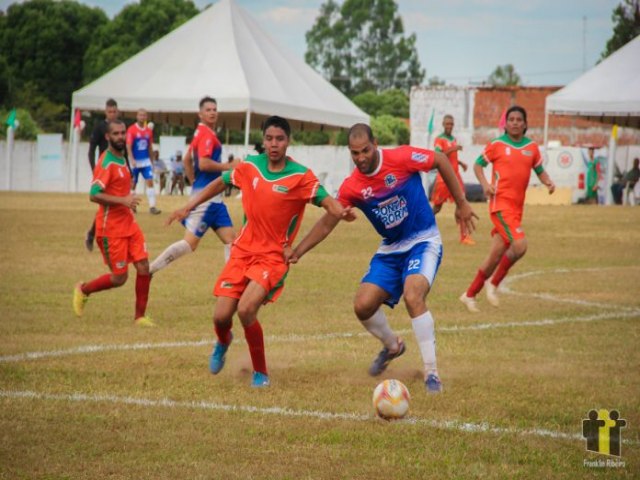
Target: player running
[[202, 165], [513, 156], [275, 191], [140, 150], [447, 144], [386, 186], [117, 234]]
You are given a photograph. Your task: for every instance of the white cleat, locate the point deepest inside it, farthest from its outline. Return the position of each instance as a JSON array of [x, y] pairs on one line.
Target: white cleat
[[469, 302], [492, 295]]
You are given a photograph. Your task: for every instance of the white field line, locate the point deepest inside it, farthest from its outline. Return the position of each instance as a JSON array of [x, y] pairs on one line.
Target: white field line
[[288, 412], [84, 349]]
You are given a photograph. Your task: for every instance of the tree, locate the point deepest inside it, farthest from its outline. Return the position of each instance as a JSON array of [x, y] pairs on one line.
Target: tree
[[392, 102], [361, 46], [504, 76], [390, 130], [626, 19], [43, 42], [436, 82], [137, 26]]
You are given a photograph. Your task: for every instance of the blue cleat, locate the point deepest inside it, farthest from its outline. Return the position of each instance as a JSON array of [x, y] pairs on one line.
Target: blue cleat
[[216, 359], [383, 359], [260, 380], [433, 383]]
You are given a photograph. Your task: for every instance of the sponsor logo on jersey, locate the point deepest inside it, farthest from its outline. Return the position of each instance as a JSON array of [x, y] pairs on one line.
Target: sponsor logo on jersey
[[418, 157], [280, 189], [225, 284], [390, 180], [392, 211], [121, 264], [527, 153]]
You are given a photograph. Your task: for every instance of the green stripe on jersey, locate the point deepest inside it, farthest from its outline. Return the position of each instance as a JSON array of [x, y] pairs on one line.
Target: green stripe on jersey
[[111, 158], [525, 141], [261, 162]]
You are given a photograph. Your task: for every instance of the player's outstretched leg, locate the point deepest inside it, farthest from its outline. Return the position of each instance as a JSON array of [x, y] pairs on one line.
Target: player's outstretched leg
[[217, 357], [79, 299], [492, 293], [382, 361]]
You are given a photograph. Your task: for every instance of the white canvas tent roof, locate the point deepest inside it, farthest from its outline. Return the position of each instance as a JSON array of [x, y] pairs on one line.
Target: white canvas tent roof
[[222, 52], [609, 92]]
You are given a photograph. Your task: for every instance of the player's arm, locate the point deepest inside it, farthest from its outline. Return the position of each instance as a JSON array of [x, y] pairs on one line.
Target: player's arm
[[97, 195], [214, 188], [132, 160], [545, 179], [464, 213], [187, 163], [463, 165], [478, 169]]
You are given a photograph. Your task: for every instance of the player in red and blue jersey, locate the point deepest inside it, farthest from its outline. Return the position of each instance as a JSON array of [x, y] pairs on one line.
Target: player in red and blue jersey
[[140, 150], [512, 156], [203, 158], [386, 186]]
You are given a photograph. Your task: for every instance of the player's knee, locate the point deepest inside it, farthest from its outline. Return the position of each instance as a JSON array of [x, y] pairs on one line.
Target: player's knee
[[247, 313], [119, 280], [519, 248], [363, 310]]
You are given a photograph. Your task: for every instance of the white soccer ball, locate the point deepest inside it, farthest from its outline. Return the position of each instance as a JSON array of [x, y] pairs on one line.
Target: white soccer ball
[[391, 399]]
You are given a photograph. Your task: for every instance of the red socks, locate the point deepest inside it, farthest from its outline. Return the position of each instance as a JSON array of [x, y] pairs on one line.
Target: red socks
[[97, 284], [223, 333], [255, 340], [502, 270], [477, 284], [142, 294]]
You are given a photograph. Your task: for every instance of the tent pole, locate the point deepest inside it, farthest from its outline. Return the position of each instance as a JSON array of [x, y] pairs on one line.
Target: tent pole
[[72, 155], [247, 125], [546, 127], [613, 142]]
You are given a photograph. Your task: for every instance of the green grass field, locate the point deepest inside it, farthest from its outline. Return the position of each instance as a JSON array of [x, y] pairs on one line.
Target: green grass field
[[97, 397]]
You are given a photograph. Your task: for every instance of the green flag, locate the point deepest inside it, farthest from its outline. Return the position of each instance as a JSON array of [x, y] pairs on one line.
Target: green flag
[[430, 127], [11, 119]]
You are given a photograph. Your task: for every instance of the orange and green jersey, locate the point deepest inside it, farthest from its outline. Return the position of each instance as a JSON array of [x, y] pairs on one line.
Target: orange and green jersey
[[512, 164], [444, 142], [273, 203], [112, 176]]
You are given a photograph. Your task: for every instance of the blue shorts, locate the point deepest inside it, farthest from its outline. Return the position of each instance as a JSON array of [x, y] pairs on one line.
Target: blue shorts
[[390, 270], [212, 215], [146, 172]]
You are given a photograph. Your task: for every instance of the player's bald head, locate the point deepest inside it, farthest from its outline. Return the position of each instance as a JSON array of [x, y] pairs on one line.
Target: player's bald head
[[360, 130]]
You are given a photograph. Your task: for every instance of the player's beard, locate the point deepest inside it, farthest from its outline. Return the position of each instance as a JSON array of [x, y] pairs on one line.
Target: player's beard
[[117, 146]]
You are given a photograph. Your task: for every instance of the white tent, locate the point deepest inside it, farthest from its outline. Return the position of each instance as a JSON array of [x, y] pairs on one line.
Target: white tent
[[224, 53], [609, 93]]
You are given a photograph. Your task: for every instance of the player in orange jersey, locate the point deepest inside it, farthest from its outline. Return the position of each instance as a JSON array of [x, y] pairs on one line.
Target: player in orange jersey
[[447, 144], [275, 191], [117, 233], [513, 156]]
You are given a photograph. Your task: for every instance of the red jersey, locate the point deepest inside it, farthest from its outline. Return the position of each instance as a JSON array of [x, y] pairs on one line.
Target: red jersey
[[444, 142], [112, 176], [512, 164], [273, 203]]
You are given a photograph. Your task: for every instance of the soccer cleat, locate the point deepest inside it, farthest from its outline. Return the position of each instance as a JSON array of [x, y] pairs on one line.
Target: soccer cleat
[[383, 359], [79, 299], [433, 383], [154, 211], [88, 241], [260, 380], [217, 357], [470, 303], [491, 291], [144, 322], [468, 241]]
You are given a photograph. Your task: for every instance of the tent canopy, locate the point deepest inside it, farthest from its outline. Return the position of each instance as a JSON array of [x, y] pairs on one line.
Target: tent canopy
[[609, 92], [224, 53]]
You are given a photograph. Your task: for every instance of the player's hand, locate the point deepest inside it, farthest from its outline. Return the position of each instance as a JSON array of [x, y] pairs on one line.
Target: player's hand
[[132, 201], [290, 255], [551, 187], [178, 215], [459, 148], [489, 190], [348, 215], [464, 166], [466, 217]]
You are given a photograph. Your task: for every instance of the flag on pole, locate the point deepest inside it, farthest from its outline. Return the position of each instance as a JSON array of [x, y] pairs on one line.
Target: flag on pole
[[503, 120], [77, 118], [430, 127], [614, 132], [11, 119]]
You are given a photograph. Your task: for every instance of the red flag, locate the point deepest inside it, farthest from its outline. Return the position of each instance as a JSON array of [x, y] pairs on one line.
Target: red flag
[[77, 118], [503, 120]]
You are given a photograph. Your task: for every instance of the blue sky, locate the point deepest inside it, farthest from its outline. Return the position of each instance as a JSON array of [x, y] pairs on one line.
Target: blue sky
[[462, 41]]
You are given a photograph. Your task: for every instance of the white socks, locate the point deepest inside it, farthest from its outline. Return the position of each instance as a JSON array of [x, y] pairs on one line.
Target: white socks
[[171, 253], [378, 326], [151, 196], [426, 337]]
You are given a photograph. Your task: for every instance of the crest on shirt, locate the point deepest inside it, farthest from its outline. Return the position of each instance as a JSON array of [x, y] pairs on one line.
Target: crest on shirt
[[418, 157], [255, 182], [390, 180], [508, 150], [280, 189], [527, 153]]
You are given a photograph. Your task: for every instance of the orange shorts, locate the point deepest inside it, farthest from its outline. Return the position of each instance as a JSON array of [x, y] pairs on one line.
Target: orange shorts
[[268, 272], [507, 224], [441, 193], [119, 252]]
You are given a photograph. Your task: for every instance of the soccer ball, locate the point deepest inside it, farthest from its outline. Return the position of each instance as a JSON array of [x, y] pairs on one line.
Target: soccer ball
[[391, 399]]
